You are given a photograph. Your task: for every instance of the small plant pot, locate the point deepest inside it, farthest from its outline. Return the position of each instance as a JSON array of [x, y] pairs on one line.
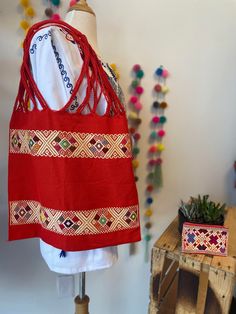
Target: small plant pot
[[182, 220]]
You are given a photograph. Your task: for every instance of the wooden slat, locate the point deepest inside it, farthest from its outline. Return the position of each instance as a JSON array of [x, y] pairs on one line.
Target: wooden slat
[[158, 260], [170, 238], [222, 284], [203, 285]]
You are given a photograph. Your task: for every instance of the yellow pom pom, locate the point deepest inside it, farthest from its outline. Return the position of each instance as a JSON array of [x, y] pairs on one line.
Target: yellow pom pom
[[165, 89], [24, 3], [160, 147], [115, 70], [135, 163], [30, 12], [149, 212], [113, 66], [24, 25], [133, 115]]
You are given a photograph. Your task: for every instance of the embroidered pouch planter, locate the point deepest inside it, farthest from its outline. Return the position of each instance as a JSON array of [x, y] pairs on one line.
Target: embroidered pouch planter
[[204, 239]]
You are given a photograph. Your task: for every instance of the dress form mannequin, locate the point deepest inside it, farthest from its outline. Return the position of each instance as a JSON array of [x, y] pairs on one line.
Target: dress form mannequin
[[82, 17], [76, 262]]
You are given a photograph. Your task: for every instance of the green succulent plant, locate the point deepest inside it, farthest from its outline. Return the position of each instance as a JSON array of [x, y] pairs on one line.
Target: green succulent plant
[[202, 210]]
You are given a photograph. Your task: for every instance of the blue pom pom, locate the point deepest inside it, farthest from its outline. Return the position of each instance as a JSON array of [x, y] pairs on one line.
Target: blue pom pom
[[159, 71], [149, 200]]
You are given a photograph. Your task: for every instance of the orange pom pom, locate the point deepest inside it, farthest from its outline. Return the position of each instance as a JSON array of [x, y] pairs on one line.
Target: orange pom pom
[[135, 163], [24, 25], [30, 12], [24, 3]]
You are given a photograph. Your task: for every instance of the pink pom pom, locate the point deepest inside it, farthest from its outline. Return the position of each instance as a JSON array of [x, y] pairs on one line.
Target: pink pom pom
[[138, 105], [152, 149], [165, 73], [133, 99], [56, 17], [136, 67], [137, 136], [139, 90], [73, 2], [158, 161], [151, 162], [161, 133], [155, 119]]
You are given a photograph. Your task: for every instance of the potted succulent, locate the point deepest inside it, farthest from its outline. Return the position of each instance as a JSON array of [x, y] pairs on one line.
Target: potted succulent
[[201, 210]]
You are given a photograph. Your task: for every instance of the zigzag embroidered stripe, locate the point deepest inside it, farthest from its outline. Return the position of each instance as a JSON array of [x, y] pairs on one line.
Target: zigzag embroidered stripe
[[71, 145]]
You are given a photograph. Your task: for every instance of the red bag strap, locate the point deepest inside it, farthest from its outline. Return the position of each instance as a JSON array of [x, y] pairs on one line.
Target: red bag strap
[[92, 70]]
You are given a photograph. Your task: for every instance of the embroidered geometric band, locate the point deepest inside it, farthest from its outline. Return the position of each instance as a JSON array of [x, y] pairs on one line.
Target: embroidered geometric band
[[204, 239], [70, 144], [74, 223]]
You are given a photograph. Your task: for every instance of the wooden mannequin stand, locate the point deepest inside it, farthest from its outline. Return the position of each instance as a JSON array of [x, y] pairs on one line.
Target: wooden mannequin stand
[[82, 300]]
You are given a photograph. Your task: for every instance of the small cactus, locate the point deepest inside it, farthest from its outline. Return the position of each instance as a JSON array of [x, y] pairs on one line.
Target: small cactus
[[202, 210]]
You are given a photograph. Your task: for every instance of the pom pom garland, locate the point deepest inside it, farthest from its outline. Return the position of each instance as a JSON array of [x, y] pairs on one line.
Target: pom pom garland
[[156, 135], [134, 117]]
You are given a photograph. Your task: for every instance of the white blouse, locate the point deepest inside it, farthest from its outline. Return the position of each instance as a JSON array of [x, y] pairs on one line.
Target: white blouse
[[56, 64]]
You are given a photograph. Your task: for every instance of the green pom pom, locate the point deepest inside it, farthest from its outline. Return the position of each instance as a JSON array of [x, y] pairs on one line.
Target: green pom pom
[[148, 237], [150, 176], [135, 83], [162, 119], [136, 151], [56, 2], [140, 74], [153, 135]]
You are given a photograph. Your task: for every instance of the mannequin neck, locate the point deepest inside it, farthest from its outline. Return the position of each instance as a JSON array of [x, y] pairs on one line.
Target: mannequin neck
[[86, 23]]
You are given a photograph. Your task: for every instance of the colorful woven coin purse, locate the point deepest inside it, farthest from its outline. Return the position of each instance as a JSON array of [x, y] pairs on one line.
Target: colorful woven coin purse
[[204, 239]]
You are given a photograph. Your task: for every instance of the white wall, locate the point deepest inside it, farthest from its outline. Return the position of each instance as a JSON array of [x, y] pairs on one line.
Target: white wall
[[196, 41]]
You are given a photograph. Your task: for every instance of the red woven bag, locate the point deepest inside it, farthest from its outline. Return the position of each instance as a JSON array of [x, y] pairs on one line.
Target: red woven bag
[[70, 175]]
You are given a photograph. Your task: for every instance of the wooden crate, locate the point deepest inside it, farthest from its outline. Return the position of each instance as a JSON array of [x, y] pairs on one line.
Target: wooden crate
[[191, 283]]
